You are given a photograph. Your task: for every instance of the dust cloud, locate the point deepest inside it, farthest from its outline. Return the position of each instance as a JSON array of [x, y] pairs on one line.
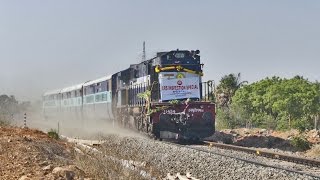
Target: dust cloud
[[72, 126]]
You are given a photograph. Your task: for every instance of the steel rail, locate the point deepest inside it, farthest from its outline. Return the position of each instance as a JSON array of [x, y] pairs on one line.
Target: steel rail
[[244, 160], [268, 154]]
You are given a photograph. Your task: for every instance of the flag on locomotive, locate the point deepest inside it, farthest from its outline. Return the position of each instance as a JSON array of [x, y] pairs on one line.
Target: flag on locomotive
[[163, 96]]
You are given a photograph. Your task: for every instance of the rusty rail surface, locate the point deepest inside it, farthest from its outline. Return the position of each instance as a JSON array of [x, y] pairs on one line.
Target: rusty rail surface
[[268, 154]]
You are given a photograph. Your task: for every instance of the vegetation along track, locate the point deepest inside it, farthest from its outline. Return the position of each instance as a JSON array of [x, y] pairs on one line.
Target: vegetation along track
[[272, 155]]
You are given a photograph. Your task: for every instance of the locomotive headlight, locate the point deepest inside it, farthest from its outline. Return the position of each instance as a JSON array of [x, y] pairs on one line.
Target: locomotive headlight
[[157, 69]]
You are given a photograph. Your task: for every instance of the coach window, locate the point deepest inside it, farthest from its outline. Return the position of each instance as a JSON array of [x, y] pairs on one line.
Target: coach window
[[96, 89], [87, 90], [91, 89], [103, 86], [109, 85]]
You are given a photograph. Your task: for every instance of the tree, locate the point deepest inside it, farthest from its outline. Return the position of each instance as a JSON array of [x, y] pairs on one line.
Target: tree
[[8, 106], [229, 84], [279, 103]]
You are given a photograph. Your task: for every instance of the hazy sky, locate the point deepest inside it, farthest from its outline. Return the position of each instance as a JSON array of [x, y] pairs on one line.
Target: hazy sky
[[51, 44]]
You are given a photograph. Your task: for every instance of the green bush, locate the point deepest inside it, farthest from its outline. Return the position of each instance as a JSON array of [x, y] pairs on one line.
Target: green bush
[[223, 119], [301, 125], [300, 143], [53, 134]]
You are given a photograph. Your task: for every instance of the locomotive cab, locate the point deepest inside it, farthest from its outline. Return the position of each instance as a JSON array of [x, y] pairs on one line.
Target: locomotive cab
[[179, 75], [178, 107]]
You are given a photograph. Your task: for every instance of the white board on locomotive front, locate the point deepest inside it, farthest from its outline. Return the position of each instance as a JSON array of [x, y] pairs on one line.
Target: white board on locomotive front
[[179, 85]]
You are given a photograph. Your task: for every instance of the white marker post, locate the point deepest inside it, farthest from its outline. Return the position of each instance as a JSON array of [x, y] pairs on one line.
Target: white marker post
[[25, 120]]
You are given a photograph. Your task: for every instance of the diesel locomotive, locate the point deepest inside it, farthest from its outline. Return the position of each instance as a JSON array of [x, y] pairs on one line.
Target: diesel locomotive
[[163, 96]]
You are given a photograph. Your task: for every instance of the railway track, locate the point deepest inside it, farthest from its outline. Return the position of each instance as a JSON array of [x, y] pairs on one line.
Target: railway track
[[233, 152], [267, 154]]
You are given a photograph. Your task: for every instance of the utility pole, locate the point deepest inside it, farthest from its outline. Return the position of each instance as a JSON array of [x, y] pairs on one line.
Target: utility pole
[[144, 51]]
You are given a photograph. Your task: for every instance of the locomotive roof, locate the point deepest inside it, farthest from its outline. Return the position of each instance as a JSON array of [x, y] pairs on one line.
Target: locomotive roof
[[159, 54], [97, 80]]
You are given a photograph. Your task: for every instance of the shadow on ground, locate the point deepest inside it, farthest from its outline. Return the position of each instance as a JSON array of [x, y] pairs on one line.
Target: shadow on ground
[[256, 141], [265, 142]]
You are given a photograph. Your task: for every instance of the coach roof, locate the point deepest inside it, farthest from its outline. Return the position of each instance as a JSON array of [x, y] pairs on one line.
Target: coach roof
[[51, 92], [97, 80], [72, 88]]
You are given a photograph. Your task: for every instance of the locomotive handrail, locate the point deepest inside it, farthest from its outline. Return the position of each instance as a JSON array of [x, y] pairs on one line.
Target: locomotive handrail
[[158, 69]]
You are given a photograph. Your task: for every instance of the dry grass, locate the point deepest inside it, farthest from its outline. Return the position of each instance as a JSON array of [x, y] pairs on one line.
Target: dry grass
[[115, 149], [98, 166], [314, 151]]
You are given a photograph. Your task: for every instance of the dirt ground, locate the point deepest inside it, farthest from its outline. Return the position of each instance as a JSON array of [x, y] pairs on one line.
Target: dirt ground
[[31, 154], [28, 154], [263, 138]]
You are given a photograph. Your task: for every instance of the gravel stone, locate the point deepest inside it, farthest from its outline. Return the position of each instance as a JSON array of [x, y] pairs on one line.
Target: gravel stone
[[172, 159]]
